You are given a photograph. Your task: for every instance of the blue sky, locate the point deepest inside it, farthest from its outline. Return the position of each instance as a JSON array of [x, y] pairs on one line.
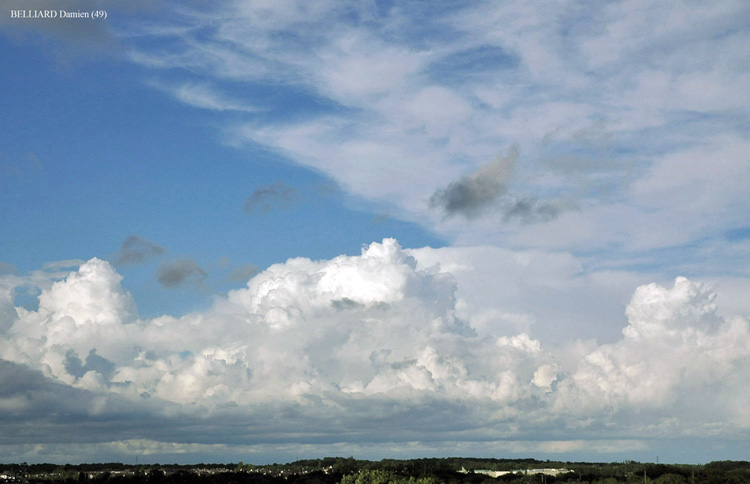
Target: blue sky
[[515, 224], [121, 159]]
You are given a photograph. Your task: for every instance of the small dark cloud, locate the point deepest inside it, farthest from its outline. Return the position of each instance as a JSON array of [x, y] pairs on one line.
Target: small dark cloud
[[277, 196], [135, 249], [244, 273], [486, 190], [471, 195], [178, 272], [531, 210], [381, 219], [6, 268]]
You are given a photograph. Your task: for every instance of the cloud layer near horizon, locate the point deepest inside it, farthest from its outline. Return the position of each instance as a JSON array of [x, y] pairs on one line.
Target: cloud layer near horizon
[[372, 348]]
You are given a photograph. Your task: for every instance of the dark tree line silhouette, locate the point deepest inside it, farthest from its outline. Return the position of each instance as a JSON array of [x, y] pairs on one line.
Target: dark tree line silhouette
[[338, 470]]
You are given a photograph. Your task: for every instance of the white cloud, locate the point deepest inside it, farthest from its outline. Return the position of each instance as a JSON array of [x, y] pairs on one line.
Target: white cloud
[[360, 68], [548, 295], [603, 101], [360, 342], [92, 295], [205, 97], [674, 351]]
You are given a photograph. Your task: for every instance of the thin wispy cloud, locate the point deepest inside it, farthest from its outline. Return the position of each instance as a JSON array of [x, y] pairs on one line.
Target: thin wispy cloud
[[62, 264], [204, 96], [503, 76]]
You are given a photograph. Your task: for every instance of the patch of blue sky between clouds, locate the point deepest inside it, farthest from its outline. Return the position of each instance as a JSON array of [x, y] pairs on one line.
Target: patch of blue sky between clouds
[[473, 64], [738, 234]]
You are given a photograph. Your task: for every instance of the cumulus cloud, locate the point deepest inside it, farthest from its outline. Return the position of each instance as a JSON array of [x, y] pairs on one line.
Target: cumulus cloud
[[178, 272], [344, 331], [135, 249], [270, 197], [90, 295], [373, 348], [673, 352]]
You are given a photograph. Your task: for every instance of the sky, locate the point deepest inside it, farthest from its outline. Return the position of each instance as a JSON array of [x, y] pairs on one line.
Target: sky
[[274, 230]]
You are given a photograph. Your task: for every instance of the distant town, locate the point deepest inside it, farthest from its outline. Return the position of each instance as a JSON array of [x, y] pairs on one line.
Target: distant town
[[340, 470]]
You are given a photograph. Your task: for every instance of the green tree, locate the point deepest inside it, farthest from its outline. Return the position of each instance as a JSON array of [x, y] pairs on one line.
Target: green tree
[[607, 480], [380, 476], [670, 478]]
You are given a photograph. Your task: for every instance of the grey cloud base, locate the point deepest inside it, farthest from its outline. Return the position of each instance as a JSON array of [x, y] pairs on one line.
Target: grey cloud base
[[369, 350]]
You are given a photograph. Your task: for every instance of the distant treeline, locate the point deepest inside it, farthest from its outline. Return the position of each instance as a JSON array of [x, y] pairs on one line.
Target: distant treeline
[[338, 470]]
